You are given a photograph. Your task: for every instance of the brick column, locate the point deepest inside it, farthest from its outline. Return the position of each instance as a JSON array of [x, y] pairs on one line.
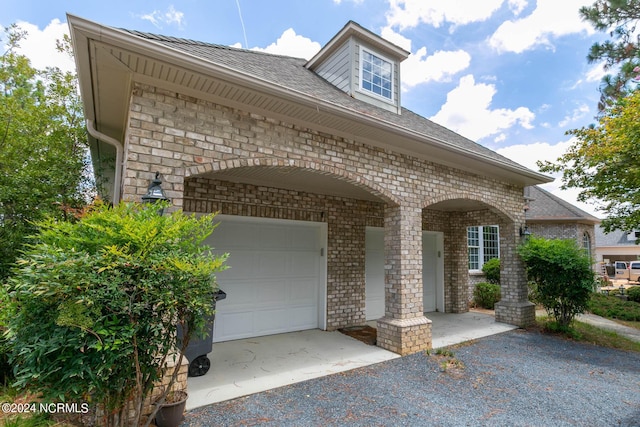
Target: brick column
[[456, 266], [514, 307], [404, 329]]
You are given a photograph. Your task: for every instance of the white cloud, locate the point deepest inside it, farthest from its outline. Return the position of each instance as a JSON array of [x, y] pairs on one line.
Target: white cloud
[[517, 6], [40, 45], [421, 68], [550, 19], [292, 44], [468, 111], [170, 17], [527, 155], [441, 66], [576, 114], [410, 13]]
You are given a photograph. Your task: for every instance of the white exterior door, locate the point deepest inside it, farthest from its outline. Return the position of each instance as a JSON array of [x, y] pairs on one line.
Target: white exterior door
[[275, 280], [432, 272], [374, 273]]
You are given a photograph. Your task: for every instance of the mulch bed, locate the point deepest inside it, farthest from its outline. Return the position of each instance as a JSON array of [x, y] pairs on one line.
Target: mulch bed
[[364, 333]]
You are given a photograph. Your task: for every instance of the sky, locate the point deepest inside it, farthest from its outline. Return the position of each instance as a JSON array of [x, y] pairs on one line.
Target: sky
[[511, 75]]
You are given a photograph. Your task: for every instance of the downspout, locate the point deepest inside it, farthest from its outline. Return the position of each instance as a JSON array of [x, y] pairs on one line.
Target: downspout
[[119, 153]]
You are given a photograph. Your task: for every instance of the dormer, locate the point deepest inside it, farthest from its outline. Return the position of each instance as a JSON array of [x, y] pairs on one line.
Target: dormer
[[362, 64]]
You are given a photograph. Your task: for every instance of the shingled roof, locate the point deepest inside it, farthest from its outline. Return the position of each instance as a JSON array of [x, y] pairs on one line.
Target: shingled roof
[[544, 206], [291, 73]]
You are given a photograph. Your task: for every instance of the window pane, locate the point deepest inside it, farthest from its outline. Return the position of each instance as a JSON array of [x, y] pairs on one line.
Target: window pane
[[376, 75], [491, 243]]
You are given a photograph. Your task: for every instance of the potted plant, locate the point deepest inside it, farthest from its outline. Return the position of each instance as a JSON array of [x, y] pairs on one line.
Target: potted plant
[[171, 411]]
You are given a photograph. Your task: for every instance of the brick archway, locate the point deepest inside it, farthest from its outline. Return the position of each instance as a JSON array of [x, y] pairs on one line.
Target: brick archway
[[333, 171]]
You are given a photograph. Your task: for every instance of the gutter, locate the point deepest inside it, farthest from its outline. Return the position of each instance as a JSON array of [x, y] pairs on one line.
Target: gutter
[[119, 154]]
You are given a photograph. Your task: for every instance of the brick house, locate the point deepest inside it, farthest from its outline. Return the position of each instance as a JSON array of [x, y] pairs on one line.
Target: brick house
[[337, 205], [553, 218]]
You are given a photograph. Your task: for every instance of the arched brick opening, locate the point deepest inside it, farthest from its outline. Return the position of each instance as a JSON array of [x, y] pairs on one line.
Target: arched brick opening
[[452, 214]]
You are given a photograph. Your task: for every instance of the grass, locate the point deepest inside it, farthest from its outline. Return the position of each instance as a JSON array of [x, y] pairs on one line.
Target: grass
[[614, 308], [610, 307]]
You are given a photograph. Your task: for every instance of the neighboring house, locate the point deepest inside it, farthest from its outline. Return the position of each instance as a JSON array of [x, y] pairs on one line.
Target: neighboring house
[[553, 218], [546, 216], [336, 204], [616, 246]]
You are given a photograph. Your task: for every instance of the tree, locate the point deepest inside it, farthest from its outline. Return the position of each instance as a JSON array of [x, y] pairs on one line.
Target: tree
[[560, 275], [95, 305], [622, 53], [605, 163], [43, 146]]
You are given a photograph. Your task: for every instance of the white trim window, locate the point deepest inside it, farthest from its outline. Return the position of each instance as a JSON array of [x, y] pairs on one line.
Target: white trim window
[[483, 244], [586, 243], [377, 75]]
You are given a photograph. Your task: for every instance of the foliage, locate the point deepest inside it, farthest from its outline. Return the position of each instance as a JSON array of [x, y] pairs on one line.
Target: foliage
[[634, 294], [622, 53], [560, 275], [5, 367], [603, 163], [613, 307], [486, 295], [491, 270], [43, 149], [97, 302]]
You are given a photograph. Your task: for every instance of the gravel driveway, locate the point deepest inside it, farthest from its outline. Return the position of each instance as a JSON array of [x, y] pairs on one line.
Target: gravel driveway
[[518, 378]]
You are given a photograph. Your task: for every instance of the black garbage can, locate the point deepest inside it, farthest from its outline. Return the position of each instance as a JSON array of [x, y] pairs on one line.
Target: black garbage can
[[200, 346]]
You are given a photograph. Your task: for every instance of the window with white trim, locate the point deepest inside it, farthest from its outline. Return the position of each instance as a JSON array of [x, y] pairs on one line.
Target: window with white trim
[[377, 74], [586, 243], [483, 244]]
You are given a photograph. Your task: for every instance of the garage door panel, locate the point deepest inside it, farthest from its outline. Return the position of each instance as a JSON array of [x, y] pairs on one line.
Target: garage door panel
[[302, 290], [303, 239], [303, 262], [272, 264], [273, 285]]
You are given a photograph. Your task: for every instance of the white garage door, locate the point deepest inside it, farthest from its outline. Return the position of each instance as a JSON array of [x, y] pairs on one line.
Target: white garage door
[[273, 283]]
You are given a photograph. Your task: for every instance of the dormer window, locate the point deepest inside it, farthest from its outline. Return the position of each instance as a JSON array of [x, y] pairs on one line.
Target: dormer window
[[363, 65], [377, 75]]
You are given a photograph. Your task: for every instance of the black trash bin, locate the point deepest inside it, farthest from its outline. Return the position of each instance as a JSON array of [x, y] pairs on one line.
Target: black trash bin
[[199, 347]]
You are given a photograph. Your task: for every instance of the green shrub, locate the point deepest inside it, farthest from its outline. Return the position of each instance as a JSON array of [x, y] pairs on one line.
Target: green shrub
[[97, 302], [634, 294], [491, 270], [486, 295], [560, 275], [5, 368], [613, 307]]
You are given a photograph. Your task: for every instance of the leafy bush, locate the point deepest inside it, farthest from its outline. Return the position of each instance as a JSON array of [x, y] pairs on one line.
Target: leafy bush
[[560, 274], [486, 295], [634, 294], [97, 302], [491, 270], [5, 368], [613, 307]]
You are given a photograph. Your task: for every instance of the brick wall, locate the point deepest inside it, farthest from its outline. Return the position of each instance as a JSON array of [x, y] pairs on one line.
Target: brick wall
[[187, 139]]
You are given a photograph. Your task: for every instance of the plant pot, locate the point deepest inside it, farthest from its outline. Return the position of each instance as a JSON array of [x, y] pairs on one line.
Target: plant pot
[[171, 414]]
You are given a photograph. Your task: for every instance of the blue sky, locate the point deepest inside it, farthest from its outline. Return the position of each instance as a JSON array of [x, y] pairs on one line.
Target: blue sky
[[509, 74]]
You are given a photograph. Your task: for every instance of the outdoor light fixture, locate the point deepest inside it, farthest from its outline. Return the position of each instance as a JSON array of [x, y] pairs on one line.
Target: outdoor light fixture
[[155, 193], [621, 289], [524, 232]]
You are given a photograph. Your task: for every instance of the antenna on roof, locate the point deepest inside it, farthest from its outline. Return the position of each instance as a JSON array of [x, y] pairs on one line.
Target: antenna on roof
[[244, 32]]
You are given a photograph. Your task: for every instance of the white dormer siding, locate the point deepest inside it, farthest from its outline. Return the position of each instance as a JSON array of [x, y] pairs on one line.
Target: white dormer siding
[[363, 65]]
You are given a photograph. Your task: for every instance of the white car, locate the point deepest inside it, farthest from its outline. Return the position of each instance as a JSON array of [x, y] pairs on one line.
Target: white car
[[628, 270]]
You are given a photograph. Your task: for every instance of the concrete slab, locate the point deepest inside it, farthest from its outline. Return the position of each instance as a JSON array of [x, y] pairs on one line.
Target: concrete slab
[[248, 366], [243, 367]]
